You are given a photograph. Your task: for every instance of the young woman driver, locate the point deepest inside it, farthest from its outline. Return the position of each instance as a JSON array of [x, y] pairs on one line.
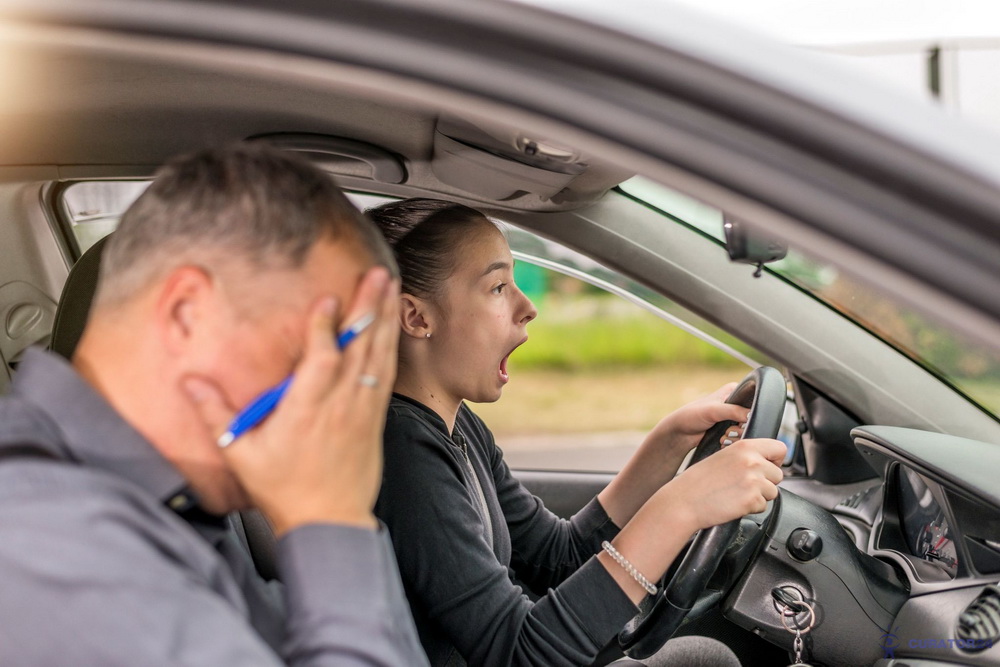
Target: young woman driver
[[463, 527]]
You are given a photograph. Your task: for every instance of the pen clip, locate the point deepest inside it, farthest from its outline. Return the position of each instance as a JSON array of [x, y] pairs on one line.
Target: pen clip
[[353, 331]]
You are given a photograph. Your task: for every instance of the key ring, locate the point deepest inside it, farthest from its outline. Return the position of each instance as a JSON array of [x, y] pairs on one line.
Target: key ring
[[787, 613]]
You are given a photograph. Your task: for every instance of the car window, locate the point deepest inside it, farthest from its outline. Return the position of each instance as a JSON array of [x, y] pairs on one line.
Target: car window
[[970, 367], [93, 208], [606, 359]]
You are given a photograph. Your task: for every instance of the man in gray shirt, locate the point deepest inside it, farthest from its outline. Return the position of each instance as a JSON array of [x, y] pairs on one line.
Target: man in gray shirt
[[230, 273]]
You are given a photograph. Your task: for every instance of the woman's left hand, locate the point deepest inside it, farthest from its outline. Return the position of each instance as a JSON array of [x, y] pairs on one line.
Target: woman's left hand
[[683, 429]]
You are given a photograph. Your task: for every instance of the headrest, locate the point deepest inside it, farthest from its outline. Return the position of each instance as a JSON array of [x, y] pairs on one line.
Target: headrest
[[74, 304]]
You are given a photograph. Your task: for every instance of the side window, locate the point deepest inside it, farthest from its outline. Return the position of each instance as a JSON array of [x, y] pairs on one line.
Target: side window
[[94, 207], [605, 361]]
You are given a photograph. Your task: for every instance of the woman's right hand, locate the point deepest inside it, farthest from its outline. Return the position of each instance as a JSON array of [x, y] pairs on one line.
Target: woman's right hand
[[736, 481]]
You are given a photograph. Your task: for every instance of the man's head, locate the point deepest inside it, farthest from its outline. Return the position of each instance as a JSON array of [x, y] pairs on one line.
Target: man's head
[[211, 275], [246, 202]]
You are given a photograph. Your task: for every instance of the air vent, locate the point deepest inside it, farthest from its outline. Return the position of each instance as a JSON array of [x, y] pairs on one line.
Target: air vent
[[854, 502], [862, 505], [979, 625]]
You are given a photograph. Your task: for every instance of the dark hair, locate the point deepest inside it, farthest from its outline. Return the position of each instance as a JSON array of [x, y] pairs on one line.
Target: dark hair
[[424, 235], [265, 206]]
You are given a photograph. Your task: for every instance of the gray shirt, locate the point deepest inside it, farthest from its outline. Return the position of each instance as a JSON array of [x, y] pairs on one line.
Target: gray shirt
[[105, 558]]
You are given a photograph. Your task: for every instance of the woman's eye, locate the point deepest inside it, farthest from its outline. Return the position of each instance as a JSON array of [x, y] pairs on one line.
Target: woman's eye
[[499, 288]]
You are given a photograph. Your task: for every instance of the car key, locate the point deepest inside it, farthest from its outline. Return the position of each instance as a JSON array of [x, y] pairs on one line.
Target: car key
[[790, 608]]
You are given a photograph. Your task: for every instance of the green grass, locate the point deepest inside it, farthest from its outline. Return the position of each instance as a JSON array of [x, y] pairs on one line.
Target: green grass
[[637, 340]]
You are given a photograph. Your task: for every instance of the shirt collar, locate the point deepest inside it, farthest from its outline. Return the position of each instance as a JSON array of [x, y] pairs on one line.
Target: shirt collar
[[431, 416], [92, 432]]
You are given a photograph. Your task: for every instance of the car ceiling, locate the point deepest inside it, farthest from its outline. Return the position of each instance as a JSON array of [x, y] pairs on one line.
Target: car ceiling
[[116, 114]]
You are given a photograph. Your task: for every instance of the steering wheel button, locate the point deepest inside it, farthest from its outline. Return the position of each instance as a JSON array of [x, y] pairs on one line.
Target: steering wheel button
[[804, 544]]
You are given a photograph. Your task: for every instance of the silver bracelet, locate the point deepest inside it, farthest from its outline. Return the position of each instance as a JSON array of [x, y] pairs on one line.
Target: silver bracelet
[[628, 567]]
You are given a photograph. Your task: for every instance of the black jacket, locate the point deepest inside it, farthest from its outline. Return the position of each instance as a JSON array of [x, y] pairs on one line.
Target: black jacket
[[459, 569]]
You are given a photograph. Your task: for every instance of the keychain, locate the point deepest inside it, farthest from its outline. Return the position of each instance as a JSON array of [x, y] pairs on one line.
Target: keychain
[[790, 608]]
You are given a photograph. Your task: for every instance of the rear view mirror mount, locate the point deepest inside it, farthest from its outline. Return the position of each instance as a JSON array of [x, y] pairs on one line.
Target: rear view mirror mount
[[751, 247]]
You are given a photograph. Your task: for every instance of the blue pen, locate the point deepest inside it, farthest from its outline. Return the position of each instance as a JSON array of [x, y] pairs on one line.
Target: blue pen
[[264, 404]]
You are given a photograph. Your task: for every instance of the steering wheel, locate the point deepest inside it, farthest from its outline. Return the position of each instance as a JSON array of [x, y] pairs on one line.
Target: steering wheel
[[763, 391]]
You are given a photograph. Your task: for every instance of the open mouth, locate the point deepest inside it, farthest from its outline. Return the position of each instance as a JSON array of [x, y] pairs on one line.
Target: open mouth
[[504, 375]]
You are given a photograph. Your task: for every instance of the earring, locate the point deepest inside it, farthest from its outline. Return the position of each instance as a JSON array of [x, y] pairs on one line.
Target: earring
[[427, 335]]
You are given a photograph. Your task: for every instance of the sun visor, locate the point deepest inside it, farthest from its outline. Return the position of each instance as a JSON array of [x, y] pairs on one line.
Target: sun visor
[[501, 164]]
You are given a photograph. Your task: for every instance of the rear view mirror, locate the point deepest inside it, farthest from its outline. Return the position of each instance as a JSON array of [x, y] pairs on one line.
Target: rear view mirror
[[751, 247]]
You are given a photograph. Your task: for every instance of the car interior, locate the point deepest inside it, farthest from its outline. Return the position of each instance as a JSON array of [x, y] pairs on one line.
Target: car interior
[[888, 525]]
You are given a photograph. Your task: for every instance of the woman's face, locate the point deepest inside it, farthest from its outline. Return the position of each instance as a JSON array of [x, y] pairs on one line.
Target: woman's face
[[480, 317]]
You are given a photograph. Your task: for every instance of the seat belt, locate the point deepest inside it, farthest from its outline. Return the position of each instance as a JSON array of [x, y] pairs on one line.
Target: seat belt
[[260, 542]]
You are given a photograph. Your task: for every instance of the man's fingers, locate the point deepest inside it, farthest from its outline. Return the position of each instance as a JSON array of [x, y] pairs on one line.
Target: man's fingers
[[318, 368], [368, 294], [367, 301], [209, 403], [385, 337]]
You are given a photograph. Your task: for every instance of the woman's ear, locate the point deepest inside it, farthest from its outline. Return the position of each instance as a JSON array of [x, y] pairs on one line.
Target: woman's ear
[[414, 317]]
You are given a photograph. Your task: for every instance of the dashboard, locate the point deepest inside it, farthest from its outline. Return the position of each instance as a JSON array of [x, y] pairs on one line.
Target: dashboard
[[926, 528], [936, 529], [936, 519], [909, 561], [903, 570]]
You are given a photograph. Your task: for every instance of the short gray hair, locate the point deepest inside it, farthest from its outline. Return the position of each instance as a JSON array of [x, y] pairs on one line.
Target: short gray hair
[[252, 202]]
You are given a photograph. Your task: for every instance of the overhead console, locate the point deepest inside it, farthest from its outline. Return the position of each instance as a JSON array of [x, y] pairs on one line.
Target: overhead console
[[339, 154], [504, 163]]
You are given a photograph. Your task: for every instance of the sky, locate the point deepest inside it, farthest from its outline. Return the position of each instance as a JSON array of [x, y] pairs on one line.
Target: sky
[[894, 36], [829, 22], [884, 40]]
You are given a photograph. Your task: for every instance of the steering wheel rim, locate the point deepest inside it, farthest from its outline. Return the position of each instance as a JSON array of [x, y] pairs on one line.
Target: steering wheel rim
[[763, 391]]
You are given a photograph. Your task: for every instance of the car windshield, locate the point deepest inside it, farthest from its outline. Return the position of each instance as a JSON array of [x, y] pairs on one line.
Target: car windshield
[[969, 367]]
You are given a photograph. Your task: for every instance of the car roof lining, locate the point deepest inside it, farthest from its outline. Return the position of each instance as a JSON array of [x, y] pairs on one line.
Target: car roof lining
[[98, 128]]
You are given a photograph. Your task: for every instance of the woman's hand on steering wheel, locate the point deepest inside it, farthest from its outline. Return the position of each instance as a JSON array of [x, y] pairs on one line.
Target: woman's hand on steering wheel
[[737, 481], [724, 483], [684, 428], [663, 451]]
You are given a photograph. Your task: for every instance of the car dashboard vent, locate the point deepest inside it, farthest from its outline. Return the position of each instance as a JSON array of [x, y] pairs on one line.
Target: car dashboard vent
[[863, 505], [853, 502], [979, 625]]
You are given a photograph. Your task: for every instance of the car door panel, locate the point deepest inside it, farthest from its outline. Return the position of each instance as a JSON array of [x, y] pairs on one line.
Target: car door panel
[[564, 493]]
